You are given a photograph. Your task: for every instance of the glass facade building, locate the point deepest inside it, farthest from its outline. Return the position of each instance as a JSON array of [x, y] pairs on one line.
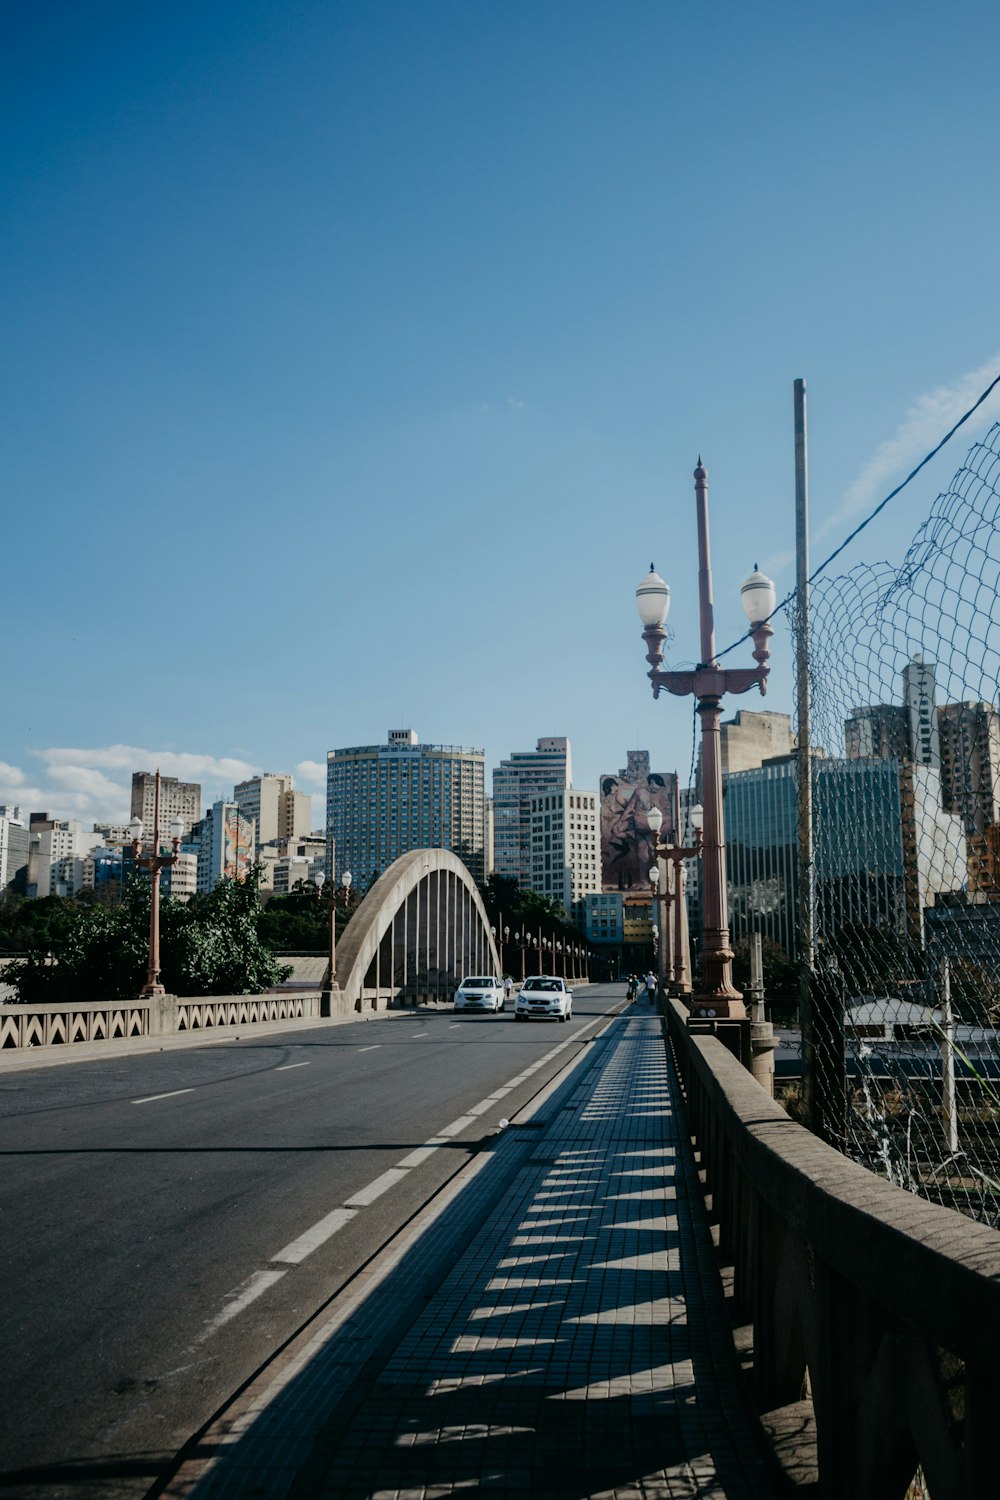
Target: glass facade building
[[883, 847]]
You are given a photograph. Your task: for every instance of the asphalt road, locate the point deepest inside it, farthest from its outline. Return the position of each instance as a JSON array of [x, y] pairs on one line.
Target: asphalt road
[[170, 1220]]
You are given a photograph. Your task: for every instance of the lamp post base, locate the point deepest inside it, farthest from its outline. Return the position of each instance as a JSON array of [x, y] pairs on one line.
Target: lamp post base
[[717, 1007]]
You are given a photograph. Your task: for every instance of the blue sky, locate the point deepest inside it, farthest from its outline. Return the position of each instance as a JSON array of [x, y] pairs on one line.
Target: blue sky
[[357, 357]]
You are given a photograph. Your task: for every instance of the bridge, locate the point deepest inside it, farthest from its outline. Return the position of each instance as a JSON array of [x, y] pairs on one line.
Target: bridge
[[866, 1320]]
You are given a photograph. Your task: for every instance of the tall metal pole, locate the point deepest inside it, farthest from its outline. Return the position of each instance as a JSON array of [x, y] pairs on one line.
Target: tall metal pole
[[153, 985], [806, 870], [717, 995]]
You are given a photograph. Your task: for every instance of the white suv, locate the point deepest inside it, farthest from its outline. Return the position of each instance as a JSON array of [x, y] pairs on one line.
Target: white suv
[[546, 996], [480, 992]]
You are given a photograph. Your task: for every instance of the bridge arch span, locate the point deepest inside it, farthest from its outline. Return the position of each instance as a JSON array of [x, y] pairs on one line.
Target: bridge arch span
[[420, 928]]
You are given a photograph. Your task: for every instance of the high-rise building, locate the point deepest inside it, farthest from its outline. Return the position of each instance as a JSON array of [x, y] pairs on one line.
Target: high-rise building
[[880, 731], [565, 849], [14, 844], [178, 799], [904, 731], [750, 738], [969, 737], [225, 844], [278, 810], [515, 780], [883, 848], [51, 843], [627, 842], [918, 696], [383, 800]]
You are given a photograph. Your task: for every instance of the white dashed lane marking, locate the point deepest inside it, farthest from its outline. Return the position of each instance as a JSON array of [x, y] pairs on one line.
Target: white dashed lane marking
[[151, 1098], [297, 1251]]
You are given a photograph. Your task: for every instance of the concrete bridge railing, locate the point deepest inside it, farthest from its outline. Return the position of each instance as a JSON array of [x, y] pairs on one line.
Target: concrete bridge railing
[[873, 1317], [64, 1025]]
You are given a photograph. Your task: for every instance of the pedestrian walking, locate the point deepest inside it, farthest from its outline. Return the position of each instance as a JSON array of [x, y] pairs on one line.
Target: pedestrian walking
[[508, 988], [650, 983]]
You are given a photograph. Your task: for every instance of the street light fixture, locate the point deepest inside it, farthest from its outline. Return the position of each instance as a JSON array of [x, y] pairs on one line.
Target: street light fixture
[[674, 948], [154, 863], [319, 879], [707, 682]]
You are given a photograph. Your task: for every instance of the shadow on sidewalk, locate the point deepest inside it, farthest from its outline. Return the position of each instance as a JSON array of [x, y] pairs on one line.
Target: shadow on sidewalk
[[559, 1331]]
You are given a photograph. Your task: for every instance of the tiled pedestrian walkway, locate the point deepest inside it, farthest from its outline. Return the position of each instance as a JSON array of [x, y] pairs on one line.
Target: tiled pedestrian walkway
[[576, 1343]]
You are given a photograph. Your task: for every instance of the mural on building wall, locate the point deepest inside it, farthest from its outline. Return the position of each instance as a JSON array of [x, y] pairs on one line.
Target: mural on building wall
[[626, 838], [236, 852]]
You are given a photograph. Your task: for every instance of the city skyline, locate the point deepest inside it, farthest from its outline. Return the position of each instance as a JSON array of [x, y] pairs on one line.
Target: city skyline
[[377, 313]]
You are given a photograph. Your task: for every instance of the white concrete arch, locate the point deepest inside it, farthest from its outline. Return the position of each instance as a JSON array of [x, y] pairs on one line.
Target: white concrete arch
[[420, 928]]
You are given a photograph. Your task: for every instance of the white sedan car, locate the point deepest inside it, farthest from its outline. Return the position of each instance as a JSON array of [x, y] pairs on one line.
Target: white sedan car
[[480, 992], [545, 996]]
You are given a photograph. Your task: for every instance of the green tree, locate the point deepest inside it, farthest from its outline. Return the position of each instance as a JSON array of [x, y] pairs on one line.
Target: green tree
[[209, 946]]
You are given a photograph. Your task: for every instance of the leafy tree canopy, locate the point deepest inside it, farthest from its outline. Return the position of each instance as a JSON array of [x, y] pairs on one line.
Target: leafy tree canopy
[[208, 946]]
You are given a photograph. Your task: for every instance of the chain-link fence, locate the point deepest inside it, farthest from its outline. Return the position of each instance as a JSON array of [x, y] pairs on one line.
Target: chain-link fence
[[902, 1020]]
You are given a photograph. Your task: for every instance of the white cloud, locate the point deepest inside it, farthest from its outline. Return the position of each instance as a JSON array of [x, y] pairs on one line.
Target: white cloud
[[11, 776], [311, 770], [185, 766], [94, 784], [923, 426]]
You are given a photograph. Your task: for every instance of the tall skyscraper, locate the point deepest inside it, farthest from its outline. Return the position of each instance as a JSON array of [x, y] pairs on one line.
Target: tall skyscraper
[[178, 799], [548, 767], [383, 800]]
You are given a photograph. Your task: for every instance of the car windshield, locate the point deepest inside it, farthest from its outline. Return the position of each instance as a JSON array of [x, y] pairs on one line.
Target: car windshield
[[477, 984], [542, 984]]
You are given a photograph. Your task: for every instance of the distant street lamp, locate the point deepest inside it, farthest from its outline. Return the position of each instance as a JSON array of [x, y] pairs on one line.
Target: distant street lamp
[[674, 956], [319, 880], [708, 681], [154, 863]]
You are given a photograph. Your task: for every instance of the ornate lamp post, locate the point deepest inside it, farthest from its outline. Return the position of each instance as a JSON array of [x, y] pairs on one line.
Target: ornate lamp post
[[320, 880], [154, 863], [707, 683], [675, 970]]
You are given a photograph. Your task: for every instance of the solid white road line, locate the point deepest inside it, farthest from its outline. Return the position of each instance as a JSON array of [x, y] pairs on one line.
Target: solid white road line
[[306, 1243], [172, 1095]]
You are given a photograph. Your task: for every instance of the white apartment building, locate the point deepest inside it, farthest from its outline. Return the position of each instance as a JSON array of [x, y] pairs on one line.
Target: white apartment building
[[278, 810], [184, 877], [52, 845], [565, 847]]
